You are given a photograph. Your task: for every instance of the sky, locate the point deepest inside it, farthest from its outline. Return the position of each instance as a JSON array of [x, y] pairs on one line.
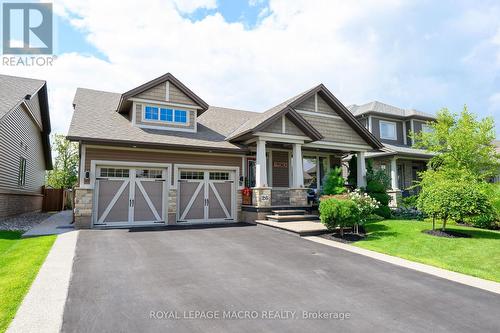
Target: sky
[[254, 54]]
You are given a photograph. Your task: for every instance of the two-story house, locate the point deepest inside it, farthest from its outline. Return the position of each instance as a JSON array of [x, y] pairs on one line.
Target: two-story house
[[392, 126]]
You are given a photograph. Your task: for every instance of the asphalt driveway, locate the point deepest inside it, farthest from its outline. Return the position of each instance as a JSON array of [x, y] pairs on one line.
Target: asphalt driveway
[[193, 280]]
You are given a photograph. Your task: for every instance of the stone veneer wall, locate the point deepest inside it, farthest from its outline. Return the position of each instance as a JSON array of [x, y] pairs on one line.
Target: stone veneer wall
[[280, 197], [298, 196], [261, 197], [83, 208]]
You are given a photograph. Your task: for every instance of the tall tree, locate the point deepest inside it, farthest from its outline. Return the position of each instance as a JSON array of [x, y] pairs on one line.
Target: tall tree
[[65, 172], [461, 142]]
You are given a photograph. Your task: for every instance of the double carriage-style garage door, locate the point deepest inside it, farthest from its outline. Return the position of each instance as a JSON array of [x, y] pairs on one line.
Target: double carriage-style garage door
[[127, 195]]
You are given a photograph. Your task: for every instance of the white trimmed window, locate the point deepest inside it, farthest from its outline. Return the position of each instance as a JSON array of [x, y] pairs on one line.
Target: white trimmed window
[[387, 130], [167, 115]]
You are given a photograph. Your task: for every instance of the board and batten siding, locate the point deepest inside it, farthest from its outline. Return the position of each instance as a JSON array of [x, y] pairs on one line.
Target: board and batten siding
[[21, 137], [139, 109], [159, 93], [150, 156]]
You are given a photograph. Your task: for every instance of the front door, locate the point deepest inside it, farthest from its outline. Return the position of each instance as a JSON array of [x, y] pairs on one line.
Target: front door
[[205, 196], [128, 196]]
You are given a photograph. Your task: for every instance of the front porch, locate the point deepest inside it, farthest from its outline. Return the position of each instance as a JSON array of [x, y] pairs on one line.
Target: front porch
[[287, 172]]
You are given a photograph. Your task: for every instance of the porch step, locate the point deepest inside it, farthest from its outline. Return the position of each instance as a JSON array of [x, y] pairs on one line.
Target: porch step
[[289, 212], [291, 218]]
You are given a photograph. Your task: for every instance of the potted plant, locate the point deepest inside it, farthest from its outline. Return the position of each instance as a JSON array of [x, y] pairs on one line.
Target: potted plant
[[246, 194]]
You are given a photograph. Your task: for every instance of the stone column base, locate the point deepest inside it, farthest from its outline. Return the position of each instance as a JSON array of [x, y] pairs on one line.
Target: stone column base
[[261, 196], [298, 196], [83, 208], [395, 198]]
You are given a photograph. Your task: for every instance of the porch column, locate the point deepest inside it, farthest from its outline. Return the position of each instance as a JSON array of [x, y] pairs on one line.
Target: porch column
[[361, 166], [394, 174], [297, 167], [260, 165]]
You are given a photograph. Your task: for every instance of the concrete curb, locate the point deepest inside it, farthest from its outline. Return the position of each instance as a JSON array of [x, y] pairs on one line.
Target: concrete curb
[[468, 280], [43, 307]]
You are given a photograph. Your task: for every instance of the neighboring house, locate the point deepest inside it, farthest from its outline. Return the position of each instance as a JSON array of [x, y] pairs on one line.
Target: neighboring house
[[392, 126], [160, 154], [24, 144]]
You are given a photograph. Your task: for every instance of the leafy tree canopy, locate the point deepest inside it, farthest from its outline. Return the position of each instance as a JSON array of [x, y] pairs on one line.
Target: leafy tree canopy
[[65, 172], [461, 142]]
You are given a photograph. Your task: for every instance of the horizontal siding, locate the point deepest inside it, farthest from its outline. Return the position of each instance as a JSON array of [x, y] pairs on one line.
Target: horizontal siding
[[34, 105], [178, 96], [157, 93], [334, 129], [275, 127], [309, 105], [291, 128], [20, 136], [138, 119], [158, 157]]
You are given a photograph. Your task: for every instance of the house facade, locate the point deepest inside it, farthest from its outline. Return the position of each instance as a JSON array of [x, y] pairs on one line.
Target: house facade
[[159, 154], [24, 144], [392, 126]]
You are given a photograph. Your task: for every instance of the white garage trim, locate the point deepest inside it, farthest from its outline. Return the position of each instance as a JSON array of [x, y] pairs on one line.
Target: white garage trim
[[206, 167], [200, 167], [167, 167]]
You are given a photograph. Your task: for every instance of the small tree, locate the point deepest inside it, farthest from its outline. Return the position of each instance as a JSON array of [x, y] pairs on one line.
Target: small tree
[[461, 142], [455, 196], [366, 206], [65, 172], [338, 213], [334, 182]]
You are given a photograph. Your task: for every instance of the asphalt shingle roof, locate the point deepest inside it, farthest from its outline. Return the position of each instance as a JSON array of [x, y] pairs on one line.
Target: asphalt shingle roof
[[95, 118], [382, 108], [14, 89]]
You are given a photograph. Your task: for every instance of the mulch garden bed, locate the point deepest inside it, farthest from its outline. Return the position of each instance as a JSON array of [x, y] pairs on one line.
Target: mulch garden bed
[[349, 236], [446, 234]]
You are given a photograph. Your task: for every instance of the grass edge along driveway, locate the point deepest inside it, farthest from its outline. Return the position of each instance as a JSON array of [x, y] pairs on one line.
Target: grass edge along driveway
[[478, 256], [20, 261]]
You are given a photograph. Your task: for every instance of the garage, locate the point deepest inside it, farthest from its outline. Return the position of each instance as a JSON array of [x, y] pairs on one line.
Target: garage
[[205, 196], [130, 195]]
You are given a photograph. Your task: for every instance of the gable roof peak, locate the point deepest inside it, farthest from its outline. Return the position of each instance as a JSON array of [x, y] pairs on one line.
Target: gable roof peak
[[159, 80]]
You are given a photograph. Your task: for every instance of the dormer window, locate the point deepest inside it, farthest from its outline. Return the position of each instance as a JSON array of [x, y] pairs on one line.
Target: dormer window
[[154, 113], [387, 130]]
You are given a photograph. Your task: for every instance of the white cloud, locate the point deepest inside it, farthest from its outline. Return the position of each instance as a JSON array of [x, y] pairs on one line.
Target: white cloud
[[295, 46]]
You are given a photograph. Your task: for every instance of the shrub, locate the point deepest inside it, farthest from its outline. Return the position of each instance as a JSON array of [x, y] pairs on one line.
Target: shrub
[[338, 213], [352, 178], [377, 178], [382, 197], [383, 211], [365, 204], [410, 202], [334, 182], [453, 195], [408, 213]]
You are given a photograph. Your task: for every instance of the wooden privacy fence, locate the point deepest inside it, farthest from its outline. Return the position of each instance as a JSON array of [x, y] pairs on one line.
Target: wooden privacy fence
[[56, 199]]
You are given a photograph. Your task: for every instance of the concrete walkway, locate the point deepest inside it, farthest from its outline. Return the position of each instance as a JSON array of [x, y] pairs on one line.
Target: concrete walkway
[[55, 225], [303, 228], [468, 280], [43, 307]]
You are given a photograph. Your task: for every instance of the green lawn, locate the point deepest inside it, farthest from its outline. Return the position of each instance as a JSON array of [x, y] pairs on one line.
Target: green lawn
[[20, 260], [478, 256]]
